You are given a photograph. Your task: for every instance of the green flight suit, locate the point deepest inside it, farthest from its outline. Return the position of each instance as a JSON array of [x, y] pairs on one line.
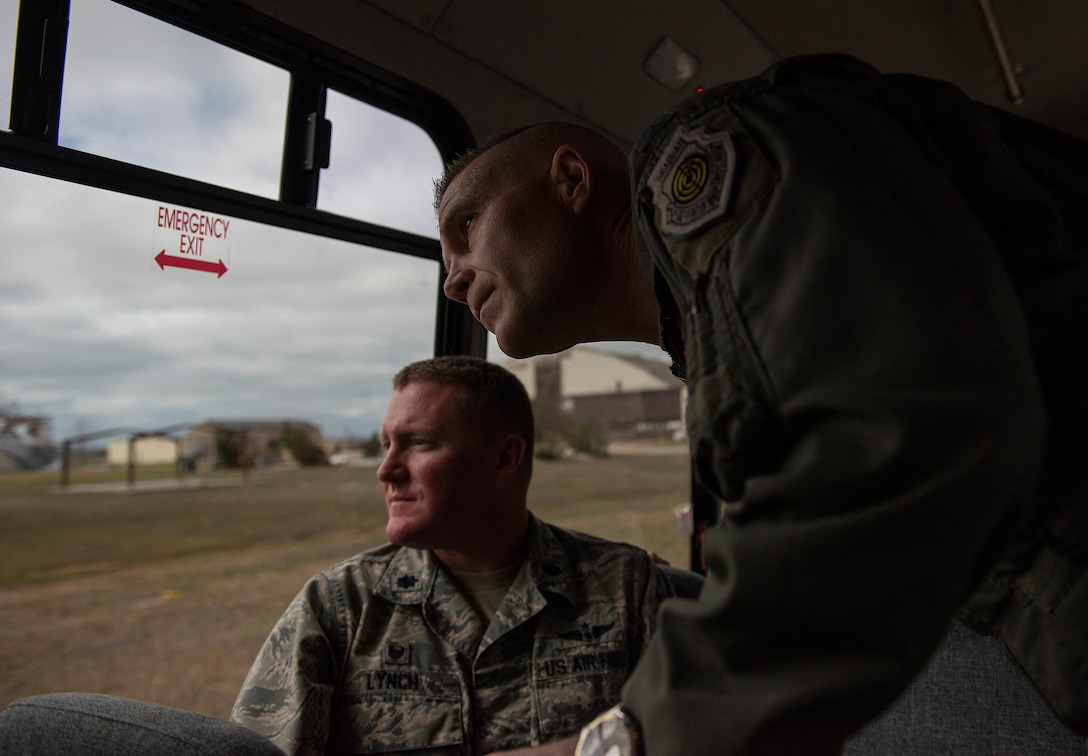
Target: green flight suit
[[878, 292]]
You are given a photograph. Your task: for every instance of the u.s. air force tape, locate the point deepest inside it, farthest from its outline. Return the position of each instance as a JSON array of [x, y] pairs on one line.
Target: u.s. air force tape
[[692, 180]]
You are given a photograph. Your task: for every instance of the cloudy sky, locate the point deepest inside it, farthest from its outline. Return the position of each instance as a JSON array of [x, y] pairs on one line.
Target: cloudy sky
[[94, 335]]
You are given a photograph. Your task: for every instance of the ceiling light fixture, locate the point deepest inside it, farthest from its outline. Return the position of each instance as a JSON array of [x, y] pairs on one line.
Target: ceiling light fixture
[[670, 65]]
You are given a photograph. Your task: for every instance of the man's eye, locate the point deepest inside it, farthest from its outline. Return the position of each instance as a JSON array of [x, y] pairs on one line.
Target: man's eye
[[467, 221]]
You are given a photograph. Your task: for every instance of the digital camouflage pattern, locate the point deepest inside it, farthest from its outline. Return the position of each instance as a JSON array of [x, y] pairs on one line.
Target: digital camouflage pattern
[[382, 654]]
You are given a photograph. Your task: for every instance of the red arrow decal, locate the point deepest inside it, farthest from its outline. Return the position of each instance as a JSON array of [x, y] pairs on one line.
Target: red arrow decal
[[164, 259]]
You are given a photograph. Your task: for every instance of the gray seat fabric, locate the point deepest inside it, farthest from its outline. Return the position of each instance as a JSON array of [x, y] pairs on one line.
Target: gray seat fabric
[[969, 700], [90, 724]]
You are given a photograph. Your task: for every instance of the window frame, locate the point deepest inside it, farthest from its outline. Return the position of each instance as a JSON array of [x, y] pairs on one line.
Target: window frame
[[314, 67]]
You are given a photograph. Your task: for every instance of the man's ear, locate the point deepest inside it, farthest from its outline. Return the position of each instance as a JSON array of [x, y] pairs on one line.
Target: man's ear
[[512, 451], [570, 176]]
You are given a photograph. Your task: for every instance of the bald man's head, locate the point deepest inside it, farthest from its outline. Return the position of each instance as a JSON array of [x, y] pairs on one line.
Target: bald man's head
[[531, 148], [535, 228]]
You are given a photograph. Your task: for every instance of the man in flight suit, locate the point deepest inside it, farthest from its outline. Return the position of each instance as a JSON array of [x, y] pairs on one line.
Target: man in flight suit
[[877, 292]]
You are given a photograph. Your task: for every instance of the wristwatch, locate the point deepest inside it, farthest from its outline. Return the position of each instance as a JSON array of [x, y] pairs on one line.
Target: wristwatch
[[613, 733]]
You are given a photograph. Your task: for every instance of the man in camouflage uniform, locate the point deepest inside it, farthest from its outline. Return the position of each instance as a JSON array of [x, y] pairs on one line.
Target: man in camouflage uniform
[[875, 290], [479, 627]]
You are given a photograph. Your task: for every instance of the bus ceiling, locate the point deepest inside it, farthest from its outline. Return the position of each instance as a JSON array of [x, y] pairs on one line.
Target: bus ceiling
[[466, 69], [617, 64]]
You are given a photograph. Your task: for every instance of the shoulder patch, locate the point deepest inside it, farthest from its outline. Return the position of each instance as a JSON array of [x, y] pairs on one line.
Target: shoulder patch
[[692, 180]]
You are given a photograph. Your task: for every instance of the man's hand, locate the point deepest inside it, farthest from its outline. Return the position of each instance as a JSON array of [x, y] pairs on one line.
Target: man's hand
[[564, 747]]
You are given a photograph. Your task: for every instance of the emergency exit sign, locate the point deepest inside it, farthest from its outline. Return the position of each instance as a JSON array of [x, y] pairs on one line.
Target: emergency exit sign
[[191, 240]]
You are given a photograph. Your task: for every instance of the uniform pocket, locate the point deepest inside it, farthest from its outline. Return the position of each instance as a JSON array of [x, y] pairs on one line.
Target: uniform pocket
[[400, 710], [574, 683]]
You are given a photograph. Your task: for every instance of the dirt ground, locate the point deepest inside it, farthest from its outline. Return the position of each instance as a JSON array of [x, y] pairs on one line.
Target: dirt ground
[[181, 633], [182, 628]]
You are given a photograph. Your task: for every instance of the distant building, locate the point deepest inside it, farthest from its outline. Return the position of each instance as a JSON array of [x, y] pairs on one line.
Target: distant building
[[627, 395], [259, 443], [148, 450]]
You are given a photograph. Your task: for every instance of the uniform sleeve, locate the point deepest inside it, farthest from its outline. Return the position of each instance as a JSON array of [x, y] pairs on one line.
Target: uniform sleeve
[[862, 395], [288, 692]]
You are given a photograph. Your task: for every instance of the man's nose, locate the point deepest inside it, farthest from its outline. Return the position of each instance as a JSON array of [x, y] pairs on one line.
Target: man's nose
[[456, 284], [388, 468]]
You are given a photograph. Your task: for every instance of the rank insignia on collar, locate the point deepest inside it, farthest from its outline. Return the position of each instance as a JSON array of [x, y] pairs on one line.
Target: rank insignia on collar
[[407, 581], [692, 180]]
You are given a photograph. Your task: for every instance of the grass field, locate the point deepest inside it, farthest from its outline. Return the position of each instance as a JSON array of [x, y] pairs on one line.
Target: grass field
[[165, 595]]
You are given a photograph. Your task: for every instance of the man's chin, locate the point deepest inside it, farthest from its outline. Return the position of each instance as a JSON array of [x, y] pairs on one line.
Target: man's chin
[[402, 535], [522, 347]]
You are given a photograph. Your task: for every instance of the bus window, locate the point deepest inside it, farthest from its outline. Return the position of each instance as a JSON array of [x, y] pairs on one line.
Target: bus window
[[375, 167], [121, 311], [145, 92], [102, 325]]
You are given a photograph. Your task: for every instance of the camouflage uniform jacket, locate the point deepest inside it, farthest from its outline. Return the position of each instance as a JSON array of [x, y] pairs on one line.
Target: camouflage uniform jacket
[[877, 289], [381, 654]]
